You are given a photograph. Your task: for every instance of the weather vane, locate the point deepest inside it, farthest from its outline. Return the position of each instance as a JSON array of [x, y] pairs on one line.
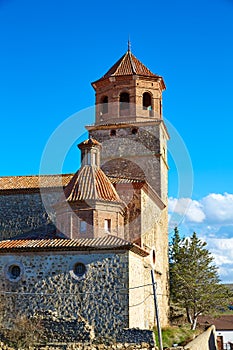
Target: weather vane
[[129, 45]]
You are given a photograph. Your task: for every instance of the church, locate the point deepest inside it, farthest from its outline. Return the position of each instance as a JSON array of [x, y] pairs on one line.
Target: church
[[87, 261]]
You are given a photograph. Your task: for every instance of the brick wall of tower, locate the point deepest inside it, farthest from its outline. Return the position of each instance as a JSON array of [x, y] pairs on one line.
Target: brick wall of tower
[[135, 87], [70, 220], [116, 223]]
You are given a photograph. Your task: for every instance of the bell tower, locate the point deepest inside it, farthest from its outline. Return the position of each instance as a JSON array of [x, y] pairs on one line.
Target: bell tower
[[129, 91], [129, 123]]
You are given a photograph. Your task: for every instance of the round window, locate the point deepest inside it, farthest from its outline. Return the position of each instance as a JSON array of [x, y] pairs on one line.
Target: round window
[[79, 269], [14, 271]]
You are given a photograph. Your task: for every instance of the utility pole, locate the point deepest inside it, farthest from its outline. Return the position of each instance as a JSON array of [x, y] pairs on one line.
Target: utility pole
[[156, 310]]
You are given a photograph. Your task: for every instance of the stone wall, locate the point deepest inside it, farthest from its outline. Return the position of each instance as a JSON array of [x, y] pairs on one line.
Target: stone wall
[[154, 235], [49, 288], [129, 339], [129, 154], [22, 212], [137, 317]]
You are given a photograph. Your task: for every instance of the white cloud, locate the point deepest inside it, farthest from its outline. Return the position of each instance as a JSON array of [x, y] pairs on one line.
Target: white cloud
[[212, 218], [221, 250], [192, 210], [218, 207], [214, 208]]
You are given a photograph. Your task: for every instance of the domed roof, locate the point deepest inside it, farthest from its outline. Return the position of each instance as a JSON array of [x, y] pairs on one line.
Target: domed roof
[[90, 183]]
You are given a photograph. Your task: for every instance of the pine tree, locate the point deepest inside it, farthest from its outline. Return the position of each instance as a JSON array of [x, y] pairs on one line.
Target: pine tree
[[194, 281]]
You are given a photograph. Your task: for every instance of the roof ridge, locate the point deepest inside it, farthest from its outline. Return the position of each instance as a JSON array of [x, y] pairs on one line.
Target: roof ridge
[[93, 171], [132, 63], [121, 62]]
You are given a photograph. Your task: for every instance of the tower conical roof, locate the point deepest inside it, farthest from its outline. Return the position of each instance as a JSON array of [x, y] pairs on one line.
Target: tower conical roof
[[129, 65], [90, 183]]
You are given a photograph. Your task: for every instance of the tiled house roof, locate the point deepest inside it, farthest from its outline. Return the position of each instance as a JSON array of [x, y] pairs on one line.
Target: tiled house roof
[[107, 242], [222, 323], [33, 181]]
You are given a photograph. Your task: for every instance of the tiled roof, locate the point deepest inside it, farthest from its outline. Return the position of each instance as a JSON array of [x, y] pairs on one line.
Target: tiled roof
[[33, 181], [90, 183], [107, 242], [224, 322], [124, 180], [128, 64]]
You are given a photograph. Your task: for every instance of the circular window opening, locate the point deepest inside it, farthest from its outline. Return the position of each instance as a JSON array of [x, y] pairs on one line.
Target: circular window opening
[[14, 271], [113, 133], [79, 269]]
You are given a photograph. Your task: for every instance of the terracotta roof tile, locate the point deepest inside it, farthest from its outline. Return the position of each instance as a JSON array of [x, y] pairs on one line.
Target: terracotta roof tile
[[224, 322], [107, 242], [33, 181], [90, 183], [124, 180], [128, 64]]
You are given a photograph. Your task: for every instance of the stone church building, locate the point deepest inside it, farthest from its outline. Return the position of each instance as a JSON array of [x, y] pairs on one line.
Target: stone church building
[[87, 263]]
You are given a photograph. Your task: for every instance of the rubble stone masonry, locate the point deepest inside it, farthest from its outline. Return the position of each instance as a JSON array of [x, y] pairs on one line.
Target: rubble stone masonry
[[99, 302]]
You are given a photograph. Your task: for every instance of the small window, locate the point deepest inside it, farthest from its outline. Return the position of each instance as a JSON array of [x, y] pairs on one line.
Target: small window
[[79, 269], [83, 226], [104, 105], [147, 101], [94, 155], [134, 131], [88, 158], [14, 272], [107, 225], [113, 132], [124, 101]]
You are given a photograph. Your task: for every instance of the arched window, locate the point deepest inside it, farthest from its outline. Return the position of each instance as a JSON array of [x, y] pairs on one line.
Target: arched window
[[104, 104], [124, 101], [146, 101]]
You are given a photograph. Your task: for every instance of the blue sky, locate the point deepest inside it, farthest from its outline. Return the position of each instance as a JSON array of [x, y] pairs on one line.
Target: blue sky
[[52, 50]]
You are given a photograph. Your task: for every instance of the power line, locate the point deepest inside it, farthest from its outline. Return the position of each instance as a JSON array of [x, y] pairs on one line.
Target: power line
[[142, 302], [65, 294], [44, 294]]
